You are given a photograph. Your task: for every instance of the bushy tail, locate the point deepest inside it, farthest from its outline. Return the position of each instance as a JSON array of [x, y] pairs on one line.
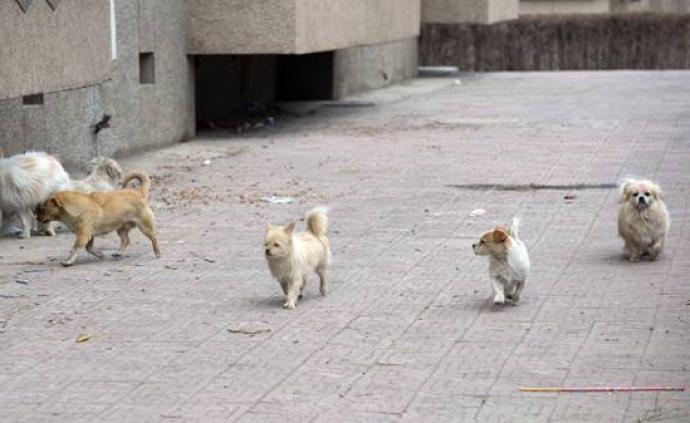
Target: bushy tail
[[317, 221], [143, 178], [513, 227]]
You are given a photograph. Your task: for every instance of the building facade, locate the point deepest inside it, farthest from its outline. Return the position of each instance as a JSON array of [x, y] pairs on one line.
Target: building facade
[[154, 65]]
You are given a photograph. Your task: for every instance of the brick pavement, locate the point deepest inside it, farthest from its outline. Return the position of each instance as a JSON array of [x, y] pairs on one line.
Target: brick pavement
[[408, 332]]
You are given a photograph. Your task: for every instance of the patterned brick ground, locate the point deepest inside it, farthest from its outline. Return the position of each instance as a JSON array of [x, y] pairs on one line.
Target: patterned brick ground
[[408, 332]]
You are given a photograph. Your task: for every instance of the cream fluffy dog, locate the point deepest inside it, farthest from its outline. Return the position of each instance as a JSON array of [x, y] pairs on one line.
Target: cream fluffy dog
[[99, 213], [292, 255], [27, 180], [643, 220], [508, 261]]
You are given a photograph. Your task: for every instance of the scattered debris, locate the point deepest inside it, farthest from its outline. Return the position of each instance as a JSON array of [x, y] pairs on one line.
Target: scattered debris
[[249, 330], [457, 82], [83, 338], [278, 200], [477, 212], [206, 162], [609, 389], [170, 267], [569, 197], [22, 281]]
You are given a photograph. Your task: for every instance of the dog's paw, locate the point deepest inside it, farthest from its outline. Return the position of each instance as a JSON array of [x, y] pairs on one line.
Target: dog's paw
[[289, 306], [66, 263], [634, 259], [499, 300], [324, 292], [117, 255]]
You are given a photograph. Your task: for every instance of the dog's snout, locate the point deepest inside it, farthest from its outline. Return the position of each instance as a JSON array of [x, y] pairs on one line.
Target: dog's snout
[[268, 251]]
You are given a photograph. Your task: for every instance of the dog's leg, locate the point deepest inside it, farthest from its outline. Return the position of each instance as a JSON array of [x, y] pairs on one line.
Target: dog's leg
[[633, 251], [499, 291], [655, 249], [284, 286], [515, 297], [27, 219], [323, 281], [5, 219], [301, 288], [147, 227], [292, 294], [123, 233], [90, 249], [79, 243]]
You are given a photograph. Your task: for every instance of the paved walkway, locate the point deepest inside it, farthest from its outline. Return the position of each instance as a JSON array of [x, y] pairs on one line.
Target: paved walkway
[[408, 332]]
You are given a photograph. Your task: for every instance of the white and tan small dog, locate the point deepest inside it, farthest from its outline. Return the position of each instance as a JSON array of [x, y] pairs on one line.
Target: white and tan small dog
[[643, 219], [291, 255], [106, 175], [508, 261]]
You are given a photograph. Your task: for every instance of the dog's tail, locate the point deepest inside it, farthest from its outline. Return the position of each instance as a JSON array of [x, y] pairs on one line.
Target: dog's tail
[[513, 227], [143, 178], [317, 221]]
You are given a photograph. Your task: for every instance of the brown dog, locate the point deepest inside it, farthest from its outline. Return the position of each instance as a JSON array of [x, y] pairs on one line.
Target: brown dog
[[98, 213]]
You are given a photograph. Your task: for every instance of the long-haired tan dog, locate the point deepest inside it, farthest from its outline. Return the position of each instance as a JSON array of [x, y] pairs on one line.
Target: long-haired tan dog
[[98, 213], [292, 255], [643, 220]]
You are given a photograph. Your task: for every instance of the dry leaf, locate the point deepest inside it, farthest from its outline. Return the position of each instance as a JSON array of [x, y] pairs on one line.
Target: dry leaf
[[83, 338]]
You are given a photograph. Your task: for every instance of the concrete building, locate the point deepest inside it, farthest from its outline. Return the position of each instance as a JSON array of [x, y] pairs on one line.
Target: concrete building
[[469, 11], [159, 67]]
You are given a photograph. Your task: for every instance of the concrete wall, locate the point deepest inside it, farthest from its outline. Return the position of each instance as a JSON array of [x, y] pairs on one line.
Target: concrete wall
[[45, 50], [556, 7], [296, 26], [336, 24], [468, 11], [370, 67], [144, 116]]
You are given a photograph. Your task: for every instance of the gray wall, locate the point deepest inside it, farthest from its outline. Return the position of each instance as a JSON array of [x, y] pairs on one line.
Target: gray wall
[[144, 116], [42, 49], [297, 26]]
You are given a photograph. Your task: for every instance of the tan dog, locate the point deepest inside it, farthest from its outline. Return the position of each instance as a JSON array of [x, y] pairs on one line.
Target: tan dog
[[509, 262], [292, 255], [643, 220], [98, 213]]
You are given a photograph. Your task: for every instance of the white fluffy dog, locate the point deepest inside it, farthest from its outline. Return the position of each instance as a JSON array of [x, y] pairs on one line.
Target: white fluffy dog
[[27, 180], [509, 262], [292, 255], [643, 220]]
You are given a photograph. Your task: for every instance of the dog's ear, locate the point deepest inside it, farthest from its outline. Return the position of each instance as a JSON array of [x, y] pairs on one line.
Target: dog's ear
[[289, 229], [625, 191], [69, 208], [113, 171], [269, 227], [656, 192], [500, 235], [57, 202]]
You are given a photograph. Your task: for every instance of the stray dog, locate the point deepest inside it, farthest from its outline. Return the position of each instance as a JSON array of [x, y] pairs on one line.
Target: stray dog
[[27, 180], [106, 175], [643, 219], [508, 261], [291, 255], [98, 213]]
